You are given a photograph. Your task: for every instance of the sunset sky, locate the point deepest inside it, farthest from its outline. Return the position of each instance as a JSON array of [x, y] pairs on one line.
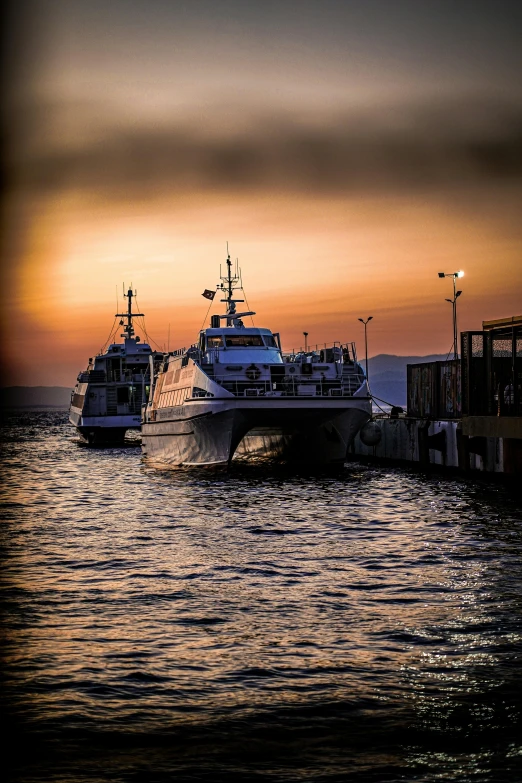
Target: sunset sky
[[347, 151]]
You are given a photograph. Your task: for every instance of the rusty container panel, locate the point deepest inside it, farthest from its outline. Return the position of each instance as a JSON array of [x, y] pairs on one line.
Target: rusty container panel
[[449, 397], [422, 390]]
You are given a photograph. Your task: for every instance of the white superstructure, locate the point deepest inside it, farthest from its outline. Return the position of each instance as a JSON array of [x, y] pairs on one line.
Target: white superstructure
[[235, 393]]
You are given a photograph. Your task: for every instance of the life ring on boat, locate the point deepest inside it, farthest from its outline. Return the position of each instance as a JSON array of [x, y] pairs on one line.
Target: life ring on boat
[[253, 372]]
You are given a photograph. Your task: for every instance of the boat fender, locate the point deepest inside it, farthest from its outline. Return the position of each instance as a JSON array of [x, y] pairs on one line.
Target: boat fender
[[253, 372], [370, 434]]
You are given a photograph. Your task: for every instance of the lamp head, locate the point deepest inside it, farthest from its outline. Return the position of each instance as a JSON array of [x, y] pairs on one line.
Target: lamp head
[[460, 274], [370, 317], [441, 274], [361, 320], [450, 301], [458, 293]]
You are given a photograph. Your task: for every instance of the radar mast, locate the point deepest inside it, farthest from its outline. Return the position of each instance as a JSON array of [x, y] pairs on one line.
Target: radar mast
[[128, 328], [230, 282]]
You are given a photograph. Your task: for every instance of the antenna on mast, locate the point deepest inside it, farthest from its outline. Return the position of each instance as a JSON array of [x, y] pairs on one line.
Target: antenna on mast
[[128, 329], [230, 282]]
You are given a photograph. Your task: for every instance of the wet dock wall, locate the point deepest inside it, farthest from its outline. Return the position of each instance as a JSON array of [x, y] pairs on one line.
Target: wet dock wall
[[458, 445]]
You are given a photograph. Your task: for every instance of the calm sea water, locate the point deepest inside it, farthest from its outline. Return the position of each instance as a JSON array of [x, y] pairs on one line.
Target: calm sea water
[[362, 625]]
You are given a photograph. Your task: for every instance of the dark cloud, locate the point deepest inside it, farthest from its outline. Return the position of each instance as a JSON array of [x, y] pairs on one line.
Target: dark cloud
[[421, 147]]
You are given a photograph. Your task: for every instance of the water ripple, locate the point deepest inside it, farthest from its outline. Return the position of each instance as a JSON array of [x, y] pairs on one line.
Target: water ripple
[[267, 623]]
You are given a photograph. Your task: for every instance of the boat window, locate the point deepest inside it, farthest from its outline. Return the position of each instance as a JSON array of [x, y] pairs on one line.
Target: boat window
[[214, 341], [270, 341], [243, 341]]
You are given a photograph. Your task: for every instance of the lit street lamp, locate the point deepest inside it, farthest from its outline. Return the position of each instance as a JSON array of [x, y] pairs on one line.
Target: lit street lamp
[[366, 343], [453, 303]]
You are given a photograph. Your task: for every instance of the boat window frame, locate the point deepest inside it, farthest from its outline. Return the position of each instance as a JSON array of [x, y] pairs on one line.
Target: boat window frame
[[256, 338]]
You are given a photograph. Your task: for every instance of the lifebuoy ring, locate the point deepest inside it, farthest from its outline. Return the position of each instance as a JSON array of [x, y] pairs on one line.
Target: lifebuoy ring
[[253, 372]]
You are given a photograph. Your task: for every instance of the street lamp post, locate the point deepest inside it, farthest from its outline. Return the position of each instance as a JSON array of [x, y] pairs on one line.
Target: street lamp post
[[306, 341], [453, 303], [366, 343]]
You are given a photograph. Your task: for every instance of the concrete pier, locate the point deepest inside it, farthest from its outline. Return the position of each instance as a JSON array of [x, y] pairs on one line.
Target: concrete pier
[[444, 443]]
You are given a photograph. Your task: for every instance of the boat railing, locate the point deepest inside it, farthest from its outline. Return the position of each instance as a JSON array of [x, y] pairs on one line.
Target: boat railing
[[100, 376], [92, 376], [293, 386], [135, 377], [342, 353]]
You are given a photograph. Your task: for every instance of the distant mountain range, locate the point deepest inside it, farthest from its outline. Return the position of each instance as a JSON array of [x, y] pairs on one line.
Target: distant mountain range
[[387, 362], [387, 374], [35, 397]]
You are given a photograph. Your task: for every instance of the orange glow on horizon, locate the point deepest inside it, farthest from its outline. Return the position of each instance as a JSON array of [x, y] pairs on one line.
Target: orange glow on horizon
[[314, 264]]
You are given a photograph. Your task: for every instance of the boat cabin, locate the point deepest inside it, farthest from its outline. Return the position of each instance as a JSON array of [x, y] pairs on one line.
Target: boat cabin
[[121, 362], [231, 345]]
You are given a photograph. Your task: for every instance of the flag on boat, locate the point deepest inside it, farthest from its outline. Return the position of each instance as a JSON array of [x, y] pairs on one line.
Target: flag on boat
[[208, 294]]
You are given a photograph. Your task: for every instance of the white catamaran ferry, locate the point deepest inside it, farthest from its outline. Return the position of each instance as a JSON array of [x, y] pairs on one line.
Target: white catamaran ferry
[[235, 393], [107, 398]]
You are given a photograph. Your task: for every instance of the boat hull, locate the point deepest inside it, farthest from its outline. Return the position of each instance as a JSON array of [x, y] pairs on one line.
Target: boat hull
[[102, 436], [214, 432], [103, 430]]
